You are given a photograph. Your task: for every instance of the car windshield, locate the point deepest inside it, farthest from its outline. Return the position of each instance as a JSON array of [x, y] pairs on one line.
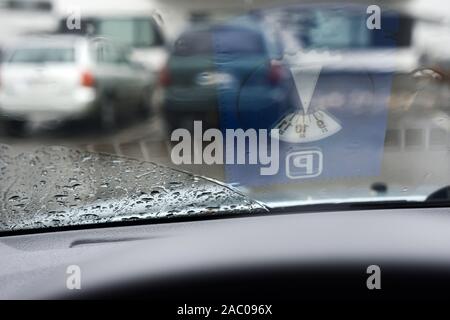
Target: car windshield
[[42, 55], [197, 109]]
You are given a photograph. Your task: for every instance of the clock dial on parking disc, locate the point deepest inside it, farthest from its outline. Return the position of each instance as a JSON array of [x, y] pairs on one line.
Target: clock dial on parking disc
[[302, 128]]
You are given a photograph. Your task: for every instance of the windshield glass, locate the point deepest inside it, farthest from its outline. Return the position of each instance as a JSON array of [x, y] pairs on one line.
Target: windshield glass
[[245, 108]]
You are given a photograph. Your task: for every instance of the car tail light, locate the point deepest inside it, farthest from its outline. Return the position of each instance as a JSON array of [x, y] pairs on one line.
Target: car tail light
[[164, 77], [276, 72], [87, 79]]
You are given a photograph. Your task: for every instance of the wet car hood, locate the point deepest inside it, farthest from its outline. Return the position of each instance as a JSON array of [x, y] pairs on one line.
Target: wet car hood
[[58, 187]]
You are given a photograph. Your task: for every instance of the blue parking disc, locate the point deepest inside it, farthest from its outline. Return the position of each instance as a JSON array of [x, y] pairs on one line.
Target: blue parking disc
[[331, 119]]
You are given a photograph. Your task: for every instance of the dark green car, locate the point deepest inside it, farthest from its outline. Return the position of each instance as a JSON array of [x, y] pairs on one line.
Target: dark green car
[[215, 70]]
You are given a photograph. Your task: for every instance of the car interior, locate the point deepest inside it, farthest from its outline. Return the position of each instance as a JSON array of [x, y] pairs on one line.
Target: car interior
[[238, 159]]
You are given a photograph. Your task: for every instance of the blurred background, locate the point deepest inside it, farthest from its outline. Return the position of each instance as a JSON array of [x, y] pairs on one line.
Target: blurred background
[[117, 77]]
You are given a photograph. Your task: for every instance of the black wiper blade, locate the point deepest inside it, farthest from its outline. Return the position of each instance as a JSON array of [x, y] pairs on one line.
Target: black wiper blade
[[441, 195], [363, 205]]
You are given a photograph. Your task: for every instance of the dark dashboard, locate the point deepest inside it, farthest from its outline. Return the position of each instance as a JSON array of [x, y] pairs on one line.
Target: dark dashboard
[[284, 257]]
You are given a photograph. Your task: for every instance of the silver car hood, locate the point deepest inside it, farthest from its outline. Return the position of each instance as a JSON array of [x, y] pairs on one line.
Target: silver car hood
[[59, 187]]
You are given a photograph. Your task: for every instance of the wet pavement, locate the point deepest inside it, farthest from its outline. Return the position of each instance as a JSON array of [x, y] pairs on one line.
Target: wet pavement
[[145, 140]]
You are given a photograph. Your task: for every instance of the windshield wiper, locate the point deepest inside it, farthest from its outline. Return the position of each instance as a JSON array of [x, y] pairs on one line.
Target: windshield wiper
[[441, 195]]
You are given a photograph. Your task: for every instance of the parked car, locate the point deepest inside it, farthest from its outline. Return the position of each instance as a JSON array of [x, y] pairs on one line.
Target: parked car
[[135, 23], [70, 77], [138, 31], [209, 66]]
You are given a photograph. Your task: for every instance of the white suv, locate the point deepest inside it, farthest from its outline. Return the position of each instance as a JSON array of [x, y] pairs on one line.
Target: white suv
[[70, 77]]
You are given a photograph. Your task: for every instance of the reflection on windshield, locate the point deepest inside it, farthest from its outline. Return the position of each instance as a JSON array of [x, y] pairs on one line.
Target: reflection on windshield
[[285, 103]]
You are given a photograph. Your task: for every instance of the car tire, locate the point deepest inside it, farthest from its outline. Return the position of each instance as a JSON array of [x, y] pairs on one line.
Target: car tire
[[144, 108], [14, 128], [107, 115]]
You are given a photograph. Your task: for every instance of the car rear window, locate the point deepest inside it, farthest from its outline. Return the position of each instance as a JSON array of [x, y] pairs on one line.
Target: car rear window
[[42, 55], [238, 41], [194, 43], [219, 41]]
